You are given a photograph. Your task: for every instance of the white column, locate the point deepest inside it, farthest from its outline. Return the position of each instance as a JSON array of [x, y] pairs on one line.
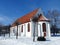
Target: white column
[[19, 30], [24, 30], [41, 30], [48, 31]]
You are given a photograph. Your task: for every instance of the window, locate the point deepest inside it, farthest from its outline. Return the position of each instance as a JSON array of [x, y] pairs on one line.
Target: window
[[28, 27], [22, 28], [44, 27]]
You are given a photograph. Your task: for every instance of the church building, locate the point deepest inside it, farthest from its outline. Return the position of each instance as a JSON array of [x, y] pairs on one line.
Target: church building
[[33, 23]]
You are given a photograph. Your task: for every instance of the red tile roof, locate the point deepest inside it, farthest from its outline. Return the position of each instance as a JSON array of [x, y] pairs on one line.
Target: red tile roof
[[42, 18], [27, 17]]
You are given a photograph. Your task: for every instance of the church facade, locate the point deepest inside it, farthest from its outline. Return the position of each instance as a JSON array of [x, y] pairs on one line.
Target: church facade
[[33, 23]]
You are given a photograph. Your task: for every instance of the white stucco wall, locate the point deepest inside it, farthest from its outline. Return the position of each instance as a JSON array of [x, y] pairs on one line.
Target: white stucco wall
[[11, 31], [28, 34], [38, 29], [25, 30]]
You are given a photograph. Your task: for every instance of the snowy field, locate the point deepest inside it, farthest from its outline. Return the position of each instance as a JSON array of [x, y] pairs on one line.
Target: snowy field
[[27, 41]]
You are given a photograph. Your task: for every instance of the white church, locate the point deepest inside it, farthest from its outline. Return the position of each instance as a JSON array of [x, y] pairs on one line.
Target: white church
[[33, 23]]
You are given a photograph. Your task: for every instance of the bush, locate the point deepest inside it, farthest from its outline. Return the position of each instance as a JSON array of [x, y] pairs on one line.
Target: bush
[[41, 39]]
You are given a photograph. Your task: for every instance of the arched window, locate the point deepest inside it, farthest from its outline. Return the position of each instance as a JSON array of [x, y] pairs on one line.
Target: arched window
[[22, 28], [28, 27], [44, 27]]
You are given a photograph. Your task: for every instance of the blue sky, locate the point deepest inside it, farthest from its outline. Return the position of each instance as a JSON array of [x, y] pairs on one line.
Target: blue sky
[[10, 10]]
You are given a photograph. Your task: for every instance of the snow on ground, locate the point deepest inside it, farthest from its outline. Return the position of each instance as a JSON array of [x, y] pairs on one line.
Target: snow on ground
[[27, 41]]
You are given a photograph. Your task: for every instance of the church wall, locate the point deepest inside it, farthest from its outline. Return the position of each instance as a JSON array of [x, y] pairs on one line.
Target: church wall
[[40, 30], [25, 30], [11, 31], [30, 34]]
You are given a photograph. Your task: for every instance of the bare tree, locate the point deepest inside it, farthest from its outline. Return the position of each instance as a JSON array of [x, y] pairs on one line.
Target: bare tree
[[1, 27], [54, 19], [35, 20]]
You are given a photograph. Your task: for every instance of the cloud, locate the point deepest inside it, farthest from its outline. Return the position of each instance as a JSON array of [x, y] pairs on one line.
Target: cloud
[[6, 20], [1, 19]]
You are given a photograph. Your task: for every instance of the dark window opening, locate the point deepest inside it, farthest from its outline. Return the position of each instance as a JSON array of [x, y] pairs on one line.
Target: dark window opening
[[28, 27], [44, 27], [22, 28]]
